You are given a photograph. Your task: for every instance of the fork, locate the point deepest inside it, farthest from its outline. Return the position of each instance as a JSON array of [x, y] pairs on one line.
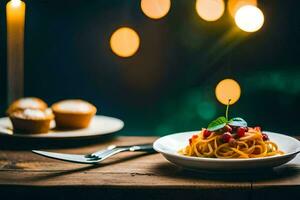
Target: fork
[[97, 156], [113, 149]]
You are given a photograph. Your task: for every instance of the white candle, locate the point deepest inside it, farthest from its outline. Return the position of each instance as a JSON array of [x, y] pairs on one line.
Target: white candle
[[15, 18]]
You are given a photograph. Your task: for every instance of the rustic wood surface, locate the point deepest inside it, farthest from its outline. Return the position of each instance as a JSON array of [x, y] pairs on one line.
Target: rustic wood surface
[[23, 171]]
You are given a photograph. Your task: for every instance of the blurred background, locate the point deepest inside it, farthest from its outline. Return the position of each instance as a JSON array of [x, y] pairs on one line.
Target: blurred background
[[168, 84]]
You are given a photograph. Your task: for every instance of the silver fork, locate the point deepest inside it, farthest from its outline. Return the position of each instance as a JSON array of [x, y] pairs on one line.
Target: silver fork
[[98, 156]]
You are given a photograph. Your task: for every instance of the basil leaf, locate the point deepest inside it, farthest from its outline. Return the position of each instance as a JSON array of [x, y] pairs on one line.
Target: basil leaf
[[237, 121], [217, 124]]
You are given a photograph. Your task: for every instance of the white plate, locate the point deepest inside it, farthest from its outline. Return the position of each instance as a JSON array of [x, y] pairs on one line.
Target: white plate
[[169, 146], [100, 125]]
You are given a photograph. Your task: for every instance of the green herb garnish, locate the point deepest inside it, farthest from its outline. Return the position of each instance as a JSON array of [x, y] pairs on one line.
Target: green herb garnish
[[217, 124], [237, 121], [221, 122], [227, 108]]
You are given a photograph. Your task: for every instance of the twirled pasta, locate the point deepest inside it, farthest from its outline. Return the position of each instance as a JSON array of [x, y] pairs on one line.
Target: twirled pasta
[[251, 145]]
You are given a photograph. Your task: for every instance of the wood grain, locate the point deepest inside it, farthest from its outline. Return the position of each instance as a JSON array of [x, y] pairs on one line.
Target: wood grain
[[135, 171], [130, 169]]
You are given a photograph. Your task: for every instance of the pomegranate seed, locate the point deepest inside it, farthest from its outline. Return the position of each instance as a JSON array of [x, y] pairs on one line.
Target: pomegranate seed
[[241, 131], [206, 133], [265, 137], [226, 137]]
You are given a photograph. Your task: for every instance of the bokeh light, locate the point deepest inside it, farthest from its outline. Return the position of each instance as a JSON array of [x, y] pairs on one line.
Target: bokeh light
[[210, 10], [155, 9], [228, 89], [249, 18], [206, 110], [124, 42], [234, 5]]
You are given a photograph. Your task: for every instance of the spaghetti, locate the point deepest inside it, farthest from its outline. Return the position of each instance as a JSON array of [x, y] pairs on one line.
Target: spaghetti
[[251, 144]]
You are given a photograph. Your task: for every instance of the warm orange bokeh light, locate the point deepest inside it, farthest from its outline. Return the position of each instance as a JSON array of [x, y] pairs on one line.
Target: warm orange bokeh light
[[249, 18], [228, 89], [234, 5], [155, 9], [210, 10], [124, 42]]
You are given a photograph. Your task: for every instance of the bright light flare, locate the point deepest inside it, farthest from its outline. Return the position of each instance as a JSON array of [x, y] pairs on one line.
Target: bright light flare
[[249, 18], [155, 9], [124, 42], [228, 89], [234, 5], [16, 3], [210, 10]]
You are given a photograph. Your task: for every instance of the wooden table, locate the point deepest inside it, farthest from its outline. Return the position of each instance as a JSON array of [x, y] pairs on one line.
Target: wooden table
[[135, 176]]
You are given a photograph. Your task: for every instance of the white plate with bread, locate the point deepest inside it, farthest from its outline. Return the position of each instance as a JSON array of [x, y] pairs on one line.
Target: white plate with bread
[[99, 125], [31, 117]]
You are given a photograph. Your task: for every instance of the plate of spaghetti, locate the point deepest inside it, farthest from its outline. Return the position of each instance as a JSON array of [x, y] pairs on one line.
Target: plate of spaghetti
[[228, 144], [194, 151]]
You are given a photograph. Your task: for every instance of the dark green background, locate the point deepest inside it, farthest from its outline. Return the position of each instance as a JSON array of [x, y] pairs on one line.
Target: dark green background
[[168, 86]]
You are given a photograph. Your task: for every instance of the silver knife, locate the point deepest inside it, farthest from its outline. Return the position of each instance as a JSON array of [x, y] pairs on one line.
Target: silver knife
[[98, 156]]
